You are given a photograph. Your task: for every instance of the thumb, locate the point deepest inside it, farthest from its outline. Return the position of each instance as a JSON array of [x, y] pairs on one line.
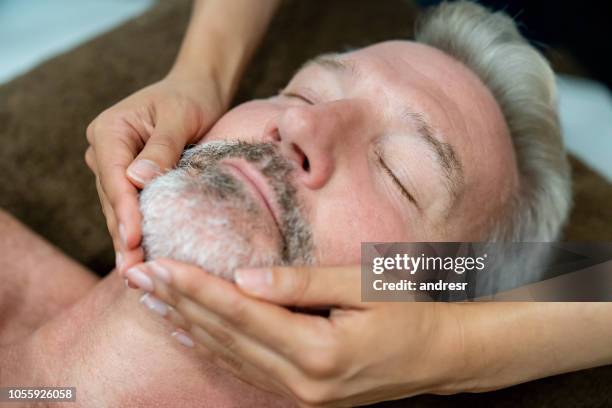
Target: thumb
[[303, 286], [160, 153]]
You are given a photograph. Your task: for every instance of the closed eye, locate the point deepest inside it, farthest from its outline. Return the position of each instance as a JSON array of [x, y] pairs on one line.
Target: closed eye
[[396, 181], [298, 96]]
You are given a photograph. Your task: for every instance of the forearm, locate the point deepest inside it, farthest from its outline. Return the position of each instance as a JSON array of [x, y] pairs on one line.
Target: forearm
[[510, 343], [221, 38]]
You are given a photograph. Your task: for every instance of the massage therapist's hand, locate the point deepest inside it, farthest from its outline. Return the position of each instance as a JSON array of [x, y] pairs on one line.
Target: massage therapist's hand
[[144, 134], [361, 353], [139, 138]]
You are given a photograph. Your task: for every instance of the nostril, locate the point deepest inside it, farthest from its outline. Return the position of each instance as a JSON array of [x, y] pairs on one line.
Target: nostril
[[300, 157]]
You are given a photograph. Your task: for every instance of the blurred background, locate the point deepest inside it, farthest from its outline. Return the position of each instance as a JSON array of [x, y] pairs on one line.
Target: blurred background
[[32, 31]]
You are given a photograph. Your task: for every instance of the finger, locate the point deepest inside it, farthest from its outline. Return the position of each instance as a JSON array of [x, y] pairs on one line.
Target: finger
[[224, 358], [123, 198], [90, 160], [236, 347], [264, 322], [304, 286], [165, 310], [234, 350], [123, 258], [112, 156], [130, 258], [163, 149], [109, 215]]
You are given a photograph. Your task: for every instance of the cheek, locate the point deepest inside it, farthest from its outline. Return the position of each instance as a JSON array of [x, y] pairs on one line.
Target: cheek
[[349, 217]]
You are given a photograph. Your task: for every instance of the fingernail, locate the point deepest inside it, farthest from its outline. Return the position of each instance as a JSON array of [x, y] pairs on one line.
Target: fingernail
[[143, 171], [154, 304], [183, 338], [256, 281], [122, 236], [140, 279], [159, 271], [119, 261]]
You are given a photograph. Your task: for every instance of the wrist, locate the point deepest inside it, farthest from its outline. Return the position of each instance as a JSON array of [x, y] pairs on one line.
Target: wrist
[[454, 353], [487, 357], [220, 69], [220, 40]]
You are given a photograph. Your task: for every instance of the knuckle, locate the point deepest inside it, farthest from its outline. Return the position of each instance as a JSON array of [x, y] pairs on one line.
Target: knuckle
[[238, 313], [192, 288], [89, 132], [111, 198], [223, 337], [192, 291], [177, 302], [108, 175], [234, 364], [94, 129], [89, 159], [227, 340], [164, 142], [312, 393], [297, 284], [320, 364], [322, 360], [177, 319]]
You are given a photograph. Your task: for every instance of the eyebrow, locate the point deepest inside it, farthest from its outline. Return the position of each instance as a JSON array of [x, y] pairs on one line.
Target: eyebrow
[[335, 63], [444, 153]]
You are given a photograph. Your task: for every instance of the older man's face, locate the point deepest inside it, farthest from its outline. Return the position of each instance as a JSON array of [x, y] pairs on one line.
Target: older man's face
[[394, 142]]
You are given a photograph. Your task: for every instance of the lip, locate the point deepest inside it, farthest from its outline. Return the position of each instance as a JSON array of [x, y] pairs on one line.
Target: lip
[[255, 181]]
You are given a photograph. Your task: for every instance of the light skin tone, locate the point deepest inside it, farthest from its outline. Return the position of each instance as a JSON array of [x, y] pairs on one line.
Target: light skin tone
[[352, 125], [60, 325], [44, 293], [354, 168], [438, 348], [144, 134], [63, 324], [365, 131], [117, 192]]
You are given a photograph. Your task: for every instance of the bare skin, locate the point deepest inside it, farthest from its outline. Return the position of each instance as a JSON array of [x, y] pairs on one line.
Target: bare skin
[[28, 297], [60, 326]]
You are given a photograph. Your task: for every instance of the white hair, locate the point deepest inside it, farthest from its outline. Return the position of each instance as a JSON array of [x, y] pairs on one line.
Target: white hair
[[523, 84]]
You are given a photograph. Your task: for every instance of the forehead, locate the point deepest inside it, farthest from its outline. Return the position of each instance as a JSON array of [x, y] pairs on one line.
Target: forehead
[[425, 80], [430, 81], [460, 108]]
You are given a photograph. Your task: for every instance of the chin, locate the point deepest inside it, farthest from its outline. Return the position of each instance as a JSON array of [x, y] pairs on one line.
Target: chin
[[186, 221]]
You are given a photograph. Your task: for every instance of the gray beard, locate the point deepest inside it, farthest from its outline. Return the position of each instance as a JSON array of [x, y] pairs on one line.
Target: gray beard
[[200, 214]]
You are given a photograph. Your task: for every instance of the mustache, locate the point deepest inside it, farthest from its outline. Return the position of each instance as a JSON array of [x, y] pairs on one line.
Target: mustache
[[265, 156], [199, 156], [278, 172]]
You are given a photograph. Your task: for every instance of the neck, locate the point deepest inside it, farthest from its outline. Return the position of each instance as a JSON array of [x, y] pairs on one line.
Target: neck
[[117, 353]]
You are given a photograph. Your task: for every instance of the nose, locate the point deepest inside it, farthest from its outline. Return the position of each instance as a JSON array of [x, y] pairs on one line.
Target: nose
[[311, 136]]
